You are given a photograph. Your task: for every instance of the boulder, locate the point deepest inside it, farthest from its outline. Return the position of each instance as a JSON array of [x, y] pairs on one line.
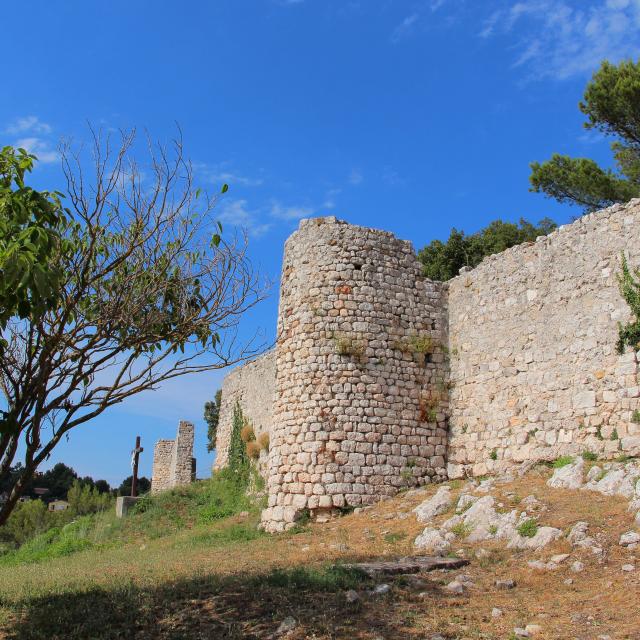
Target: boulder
[[568, 477], [434, 506]]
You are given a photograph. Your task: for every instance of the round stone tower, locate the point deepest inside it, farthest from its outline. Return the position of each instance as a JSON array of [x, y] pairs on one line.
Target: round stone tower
[[361, 373]]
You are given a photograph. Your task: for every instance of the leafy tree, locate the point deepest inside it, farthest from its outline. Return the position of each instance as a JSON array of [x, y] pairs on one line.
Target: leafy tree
[[443, 260], [612, 105], [102, 486], [629, 334], [144, 486], [58, 480], [148, 291], [31, 227], [212, 416], [84, 498]]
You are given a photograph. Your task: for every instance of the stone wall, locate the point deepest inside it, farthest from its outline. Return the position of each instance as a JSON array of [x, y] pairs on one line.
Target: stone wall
[[253, 386], [360, 406], [173, 461], [380, 377], [534, 369]]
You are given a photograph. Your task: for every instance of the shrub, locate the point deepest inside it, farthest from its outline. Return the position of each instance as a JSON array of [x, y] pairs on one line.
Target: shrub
[[629, 334], [247, 434], [494, 455], [462, 530], [589, 456], [562, 461], [253, 449], [263, 441], [528, 528]]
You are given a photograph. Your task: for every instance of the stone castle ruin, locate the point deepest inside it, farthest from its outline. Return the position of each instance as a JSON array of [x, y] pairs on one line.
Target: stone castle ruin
[[173, 461], [382, 379]]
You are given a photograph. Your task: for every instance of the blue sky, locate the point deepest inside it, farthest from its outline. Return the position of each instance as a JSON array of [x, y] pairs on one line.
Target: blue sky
[[408, 115]]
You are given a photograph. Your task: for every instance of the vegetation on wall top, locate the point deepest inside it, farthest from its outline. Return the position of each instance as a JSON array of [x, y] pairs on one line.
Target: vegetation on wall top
[[443, 260]]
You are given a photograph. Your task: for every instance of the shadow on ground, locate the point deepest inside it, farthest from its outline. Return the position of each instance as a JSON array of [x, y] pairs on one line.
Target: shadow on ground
[[239, 607]]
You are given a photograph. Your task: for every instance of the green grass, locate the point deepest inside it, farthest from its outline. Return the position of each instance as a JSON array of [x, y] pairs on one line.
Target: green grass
[[562, 461], [528, 528], [589, 456], [153, 517], [392, 538]]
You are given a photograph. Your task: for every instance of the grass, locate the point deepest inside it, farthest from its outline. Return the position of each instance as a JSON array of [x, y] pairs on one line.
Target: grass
[[154, 517], [227, 580], [528, 528], [589, 456]]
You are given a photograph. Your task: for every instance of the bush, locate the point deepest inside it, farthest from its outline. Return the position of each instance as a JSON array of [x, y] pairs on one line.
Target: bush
[[562, 461], [528, 528]]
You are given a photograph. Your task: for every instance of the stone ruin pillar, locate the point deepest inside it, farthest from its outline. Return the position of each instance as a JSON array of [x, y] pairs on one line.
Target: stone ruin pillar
[[361, 382], [173, 461]]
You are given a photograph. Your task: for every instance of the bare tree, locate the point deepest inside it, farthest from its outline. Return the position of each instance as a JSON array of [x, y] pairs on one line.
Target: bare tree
[[151, 290]]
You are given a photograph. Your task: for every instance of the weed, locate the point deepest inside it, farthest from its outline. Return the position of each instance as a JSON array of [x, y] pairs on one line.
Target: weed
[[599, 433], [589, 456], [346, 346], [263, 441], [253, 449], [247, 433], [528, 528], [614, 435], [635, 416], [462, 530], [493, 455], [493, 529]]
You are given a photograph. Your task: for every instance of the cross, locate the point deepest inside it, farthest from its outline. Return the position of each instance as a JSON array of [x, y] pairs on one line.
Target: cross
[[135, 456]]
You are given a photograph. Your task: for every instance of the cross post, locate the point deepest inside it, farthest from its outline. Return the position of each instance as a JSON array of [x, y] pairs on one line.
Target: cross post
[[135, 457]]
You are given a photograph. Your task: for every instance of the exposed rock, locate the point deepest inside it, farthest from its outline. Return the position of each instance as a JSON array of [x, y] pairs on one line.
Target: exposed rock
[[495, 612], [568, 477], [543, 537], [465, 501], [483, 521], [593, 473], [628, 567], [434, 506], [506, 584], [413, 564], [351, 596], [533, 629], [287, 625], [521, 633], [630, 539], [381, 589], [577, 566], [578, 538], [559, 558], [455, 587], [433, 541]]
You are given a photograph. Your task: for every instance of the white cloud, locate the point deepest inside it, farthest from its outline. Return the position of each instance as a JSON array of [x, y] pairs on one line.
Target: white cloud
[[28, 124], [561, 39], [38, 147], [405, 28], [281, 212], [356, 177], [237, 213], [219, 174]]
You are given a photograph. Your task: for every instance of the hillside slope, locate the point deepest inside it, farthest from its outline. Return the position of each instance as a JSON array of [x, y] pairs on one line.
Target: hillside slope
[[225, 580]]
